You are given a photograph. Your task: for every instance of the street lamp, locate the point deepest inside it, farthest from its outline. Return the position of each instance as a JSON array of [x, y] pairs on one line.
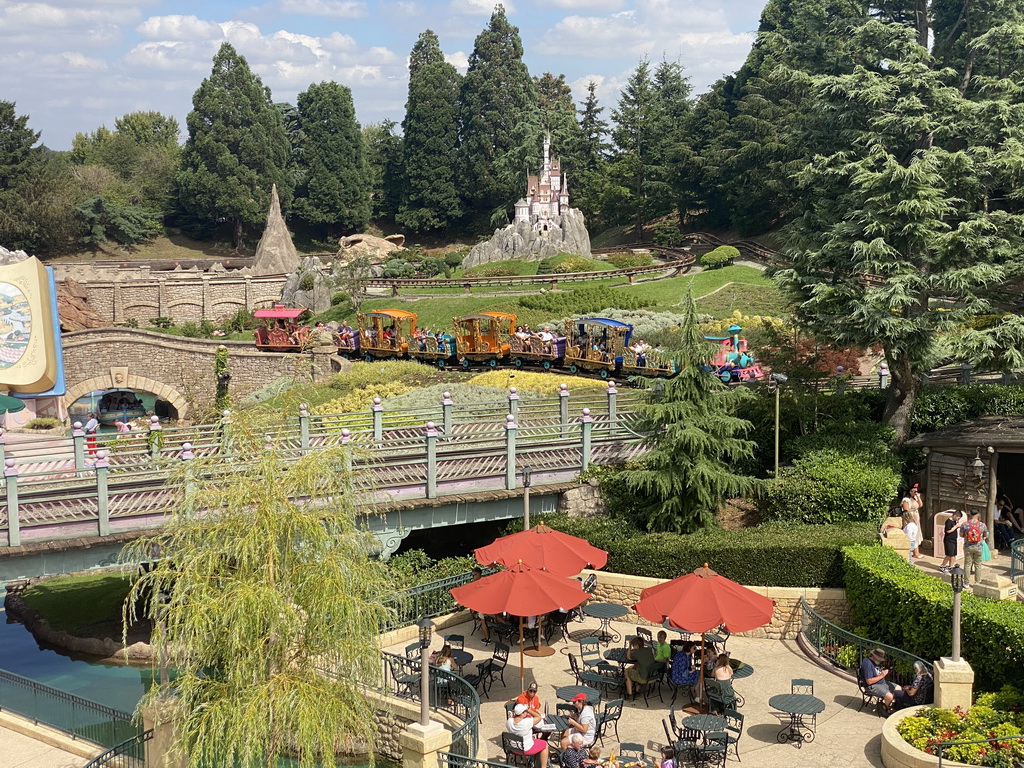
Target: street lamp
[[527, 477], [775, 382], [426, 629], [956, 579]]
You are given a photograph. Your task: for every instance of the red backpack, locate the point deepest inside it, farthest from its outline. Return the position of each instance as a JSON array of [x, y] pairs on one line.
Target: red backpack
[[974, 535]]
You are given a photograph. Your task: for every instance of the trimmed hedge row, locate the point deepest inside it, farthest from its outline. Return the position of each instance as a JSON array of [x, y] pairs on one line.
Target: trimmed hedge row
[[781, 555], [902, 606]]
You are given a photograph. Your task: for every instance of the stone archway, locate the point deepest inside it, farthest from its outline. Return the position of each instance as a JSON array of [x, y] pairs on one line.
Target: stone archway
[[119, 378]]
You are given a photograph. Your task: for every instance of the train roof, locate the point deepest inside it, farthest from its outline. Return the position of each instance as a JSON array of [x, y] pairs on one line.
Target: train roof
[[489, 316], [279, 311], [395, 313], [603, 321]]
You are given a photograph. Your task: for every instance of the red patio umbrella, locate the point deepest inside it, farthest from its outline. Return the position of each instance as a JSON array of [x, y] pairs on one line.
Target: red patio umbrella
[[543, 547], [703, 600], [520, 591]]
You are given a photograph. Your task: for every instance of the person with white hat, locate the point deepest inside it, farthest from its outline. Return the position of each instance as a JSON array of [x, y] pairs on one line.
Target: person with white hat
[[522, 724]]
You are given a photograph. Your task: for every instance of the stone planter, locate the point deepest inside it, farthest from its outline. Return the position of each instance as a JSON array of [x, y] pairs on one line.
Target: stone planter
[[896, 753]]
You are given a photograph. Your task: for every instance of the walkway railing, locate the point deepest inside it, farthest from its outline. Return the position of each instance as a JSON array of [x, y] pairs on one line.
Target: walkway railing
[[429, 600], [78, 717], [127, 754], [846, 650], [450, 760], [1017, 562]]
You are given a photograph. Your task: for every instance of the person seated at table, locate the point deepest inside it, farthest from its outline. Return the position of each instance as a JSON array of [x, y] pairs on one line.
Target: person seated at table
[[662, 650], [530, 698], [576, 754], [917, 692], [642, 671], [584, 722], [722, 669], [593, 756], [443, 659], [521, 724], [875, 676], [668, 758], [684, 671]]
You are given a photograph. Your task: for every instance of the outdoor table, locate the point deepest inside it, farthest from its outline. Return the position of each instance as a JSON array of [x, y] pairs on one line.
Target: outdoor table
[[704, 723], [742, 671], [680, 630], [560, 725], [796, 705], [567, 692], [606, 612], [618, 655], [461, 658]]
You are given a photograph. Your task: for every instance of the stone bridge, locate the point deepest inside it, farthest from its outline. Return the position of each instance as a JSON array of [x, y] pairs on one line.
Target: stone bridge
[[178, 369]]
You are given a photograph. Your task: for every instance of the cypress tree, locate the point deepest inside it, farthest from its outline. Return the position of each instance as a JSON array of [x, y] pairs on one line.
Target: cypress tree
[[501, 134], [236, 149], [335, 187], [430, 194]]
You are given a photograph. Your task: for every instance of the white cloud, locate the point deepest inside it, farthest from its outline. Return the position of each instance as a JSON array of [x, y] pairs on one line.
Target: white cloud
[[459, 60], [177, 27], [478, 7], [588, 5], [79, 61], [338, 9]]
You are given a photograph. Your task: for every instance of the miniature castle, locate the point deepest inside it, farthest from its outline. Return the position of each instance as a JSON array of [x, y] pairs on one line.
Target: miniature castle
[[547, 195]]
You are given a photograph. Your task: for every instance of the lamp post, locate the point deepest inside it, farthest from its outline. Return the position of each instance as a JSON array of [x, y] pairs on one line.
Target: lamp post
[[426, 629], [527, 477], [956, 579], [775, 382]]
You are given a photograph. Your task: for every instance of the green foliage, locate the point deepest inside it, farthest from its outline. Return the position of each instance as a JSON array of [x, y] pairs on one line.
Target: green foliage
[[565, 263], [243, 320], [83, 606], [44, 422], [722, 256], [398, 268], [668, 236], [414, 567], [383, 150], [222, 377], [191, 329], [580, 301], [940, 407], [162, 322], [498, 269], [696, 440], [430, 397], [236, 150], [363, 375], [830, 486], [431, 267], [626, 260], [776, 554], [917, 611], [105, 220], [981, 722], [307, 281]]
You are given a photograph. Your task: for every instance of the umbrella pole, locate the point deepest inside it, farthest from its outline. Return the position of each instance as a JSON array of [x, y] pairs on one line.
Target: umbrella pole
[[700, 685], [522, 667]]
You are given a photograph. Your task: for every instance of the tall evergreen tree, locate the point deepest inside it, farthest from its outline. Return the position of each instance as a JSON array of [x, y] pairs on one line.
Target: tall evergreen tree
[[695, 441], [335, 180], [558, 116], [501, 133], [591, 156], [430, 193], [236, 148], [384, 161], [17, 146]]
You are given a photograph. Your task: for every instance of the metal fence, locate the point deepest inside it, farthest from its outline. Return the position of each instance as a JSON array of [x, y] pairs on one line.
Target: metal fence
[[127, 754], [430, 599], [846, 650], [78, 717]]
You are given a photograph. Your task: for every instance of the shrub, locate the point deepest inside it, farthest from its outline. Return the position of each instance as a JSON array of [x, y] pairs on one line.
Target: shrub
[[939, 407], [668, 236], [414, 567], [363, 375], [830, 486], [626, 260], [497, 269], [44, 422], [307, 281], [431, 266], [565, 263], [534, 381], [398, 268], [981, 722], [721, 256], [359, 400], [771, 555], [242, 320], [905, 607], [582, 301], [340, 299], [470, 392], [191, 329], [162, 322]]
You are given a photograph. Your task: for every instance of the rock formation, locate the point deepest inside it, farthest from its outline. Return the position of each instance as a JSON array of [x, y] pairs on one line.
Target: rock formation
[[11, 257], [524, 240], [73, 308], [314, 283], [276, 254], [375, 248]]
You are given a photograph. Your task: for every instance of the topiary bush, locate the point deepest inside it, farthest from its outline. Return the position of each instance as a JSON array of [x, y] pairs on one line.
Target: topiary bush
[[44, 422], [905, 607], [397, 268], [722, 256], [498, 269], [668, 236], [830, 486], [627, 260], [781, 555]]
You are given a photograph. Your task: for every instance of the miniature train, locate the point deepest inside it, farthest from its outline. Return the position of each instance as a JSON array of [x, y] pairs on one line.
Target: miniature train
[[595, 345]]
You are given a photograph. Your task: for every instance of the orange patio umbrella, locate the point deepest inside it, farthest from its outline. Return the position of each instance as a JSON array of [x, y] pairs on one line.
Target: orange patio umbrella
[[520, 591], [703, 600], [543, 547]]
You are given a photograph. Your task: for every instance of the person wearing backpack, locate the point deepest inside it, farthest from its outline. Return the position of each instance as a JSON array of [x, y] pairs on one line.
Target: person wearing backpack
[[975, 532]]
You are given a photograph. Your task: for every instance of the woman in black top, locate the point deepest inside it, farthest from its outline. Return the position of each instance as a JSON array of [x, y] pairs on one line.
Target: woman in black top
[[949, 537]]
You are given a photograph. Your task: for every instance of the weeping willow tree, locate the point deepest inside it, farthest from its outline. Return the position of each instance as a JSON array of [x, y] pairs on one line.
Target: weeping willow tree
[[268, 601], [695, 440]]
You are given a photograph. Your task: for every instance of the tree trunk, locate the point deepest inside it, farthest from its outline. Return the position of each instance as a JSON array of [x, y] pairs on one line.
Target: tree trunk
[[903, 390], [238, 237]]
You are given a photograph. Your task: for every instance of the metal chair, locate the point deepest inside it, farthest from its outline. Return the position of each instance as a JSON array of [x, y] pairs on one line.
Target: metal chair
[[501, 630], [412, 651], [558, 622], [733, 729], [630, 750], [565, 710], [802, 685], [585, 676], [515, 750], [499, 660], [715, 749], [867, 695], [484, 677], [646, 634], [405, 675], [457, 642], [612, 714], [590, 655]]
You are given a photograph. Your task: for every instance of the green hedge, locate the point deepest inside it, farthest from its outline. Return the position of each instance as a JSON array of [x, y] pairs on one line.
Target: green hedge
[[941, 406], [780, 555], [902, 606]]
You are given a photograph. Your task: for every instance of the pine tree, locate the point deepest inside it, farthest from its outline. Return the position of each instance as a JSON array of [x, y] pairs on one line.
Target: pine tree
[[17, 146], [695, 441], [383, 151], [591, 156], [501, 133], [558, 117], [430, 194], [236, 149], [335, 187]]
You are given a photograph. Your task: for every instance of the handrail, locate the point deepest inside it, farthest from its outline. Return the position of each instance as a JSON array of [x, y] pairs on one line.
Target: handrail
[[452, 760], [845, 650], [134, 749]]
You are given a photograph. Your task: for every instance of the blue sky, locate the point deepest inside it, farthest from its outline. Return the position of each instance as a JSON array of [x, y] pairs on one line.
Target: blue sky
[[74, 65]]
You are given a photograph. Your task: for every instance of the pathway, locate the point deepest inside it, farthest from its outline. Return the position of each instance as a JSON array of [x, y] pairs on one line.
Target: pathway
[[20, 751], [845, 738]]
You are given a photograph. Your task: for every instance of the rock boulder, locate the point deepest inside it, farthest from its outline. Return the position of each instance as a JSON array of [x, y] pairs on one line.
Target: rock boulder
[[529, 242], [375, 248]]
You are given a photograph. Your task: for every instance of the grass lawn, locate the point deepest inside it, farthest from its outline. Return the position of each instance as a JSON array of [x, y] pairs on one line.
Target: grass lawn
[[83, 606]]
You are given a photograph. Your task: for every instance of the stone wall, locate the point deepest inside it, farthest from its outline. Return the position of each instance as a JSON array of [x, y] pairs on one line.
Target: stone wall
[[179, 369], [583, 501], [785, 625], [135, 294]]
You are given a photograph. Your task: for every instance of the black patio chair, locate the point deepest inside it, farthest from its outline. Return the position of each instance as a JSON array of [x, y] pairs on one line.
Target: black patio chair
[[630, 750], [558, 622], [733, 729], [405, 675], [457, 642], [611, 716], [867, 695], [499, 660], [715, 749], [803, 685], [412, 651], [585, 676], [515, 750], [483, 678], [565, 710]]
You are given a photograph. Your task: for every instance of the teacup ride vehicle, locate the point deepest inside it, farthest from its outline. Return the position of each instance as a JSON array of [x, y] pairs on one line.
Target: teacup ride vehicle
[[385, 333], [732, 362], [483, 338], [281, 330], [536, 351], [596, 344]]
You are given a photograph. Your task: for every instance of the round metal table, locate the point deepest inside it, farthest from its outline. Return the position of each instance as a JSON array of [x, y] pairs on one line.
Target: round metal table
[[461, 658], [797, 706], [704, 723], [568, 692], [606, 612], [742, 671], [618, 655]]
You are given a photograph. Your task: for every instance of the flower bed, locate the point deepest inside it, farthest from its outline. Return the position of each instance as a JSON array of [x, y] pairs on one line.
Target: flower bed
[[994, 715]]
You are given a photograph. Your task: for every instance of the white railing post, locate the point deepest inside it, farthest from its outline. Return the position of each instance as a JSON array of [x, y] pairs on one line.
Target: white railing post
[[78, 444], [378, 421], [883, 376], [586, 427], [225, 432], [510, 451], [563, 409], [13, 521], [346, 440], [155, 438], [101, 465], [430, 431], [513, 401], [613, 415], [446, 415], [304, 427]]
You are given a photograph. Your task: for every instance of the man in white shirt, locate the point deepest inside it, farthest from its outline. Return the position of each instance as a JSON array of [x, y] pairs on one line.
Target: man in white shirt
[[522, 724]]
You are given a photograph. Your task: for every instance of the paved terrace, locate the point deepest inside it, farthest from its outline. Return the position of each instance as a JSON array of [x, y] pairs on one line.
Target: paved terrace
[[845, 736]]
